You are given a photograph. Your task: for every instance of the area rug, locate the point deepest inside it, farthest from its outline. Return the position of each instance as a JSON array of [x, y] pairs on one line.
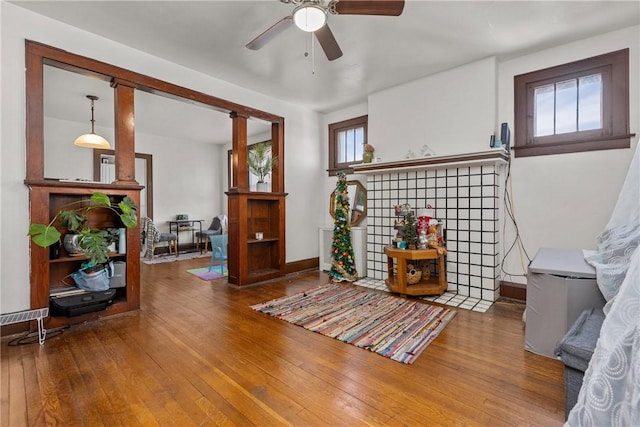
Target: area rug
[[172, 258], [204, 273], [397, 328]]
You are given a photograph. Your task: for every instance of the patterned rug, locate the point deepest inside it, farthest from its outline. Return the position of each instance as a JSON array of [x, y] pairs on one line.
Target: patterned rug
[[393, 327], [172, 258], [204, 273]]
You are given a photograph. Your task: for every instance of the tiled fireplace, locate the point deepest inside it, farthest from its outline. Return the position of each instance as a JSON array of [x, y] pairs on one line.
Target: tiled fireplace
[[466, 192]]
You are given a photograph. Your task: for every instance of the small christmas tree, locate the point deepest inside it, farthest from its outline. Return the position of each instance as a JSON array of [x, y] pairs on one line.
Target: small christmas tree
[[342, 260], [410, 233]]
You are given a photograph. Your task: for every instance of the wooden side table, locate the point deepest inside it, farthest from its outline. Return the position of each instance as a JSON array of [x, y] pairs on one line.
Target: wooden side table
[[435, 285]]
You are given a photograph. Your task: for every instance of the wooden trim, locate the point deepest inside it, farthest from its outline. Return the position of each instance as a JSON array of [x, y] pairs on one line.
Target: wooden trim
[[125, 82], [34, 76], [72, 186], [124, 133], [16, 328], [84, 65], [470, 159], [572, 147], [614, 133], [302, 265], [513, 291], [277, 149], [334, 128], [239, 151]]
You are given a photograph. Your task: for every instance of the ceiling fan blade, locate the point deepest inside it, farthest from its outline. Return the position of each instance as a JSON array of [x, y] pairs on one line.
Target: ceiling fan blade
[[328, 43], [270, 33], [370, 7]]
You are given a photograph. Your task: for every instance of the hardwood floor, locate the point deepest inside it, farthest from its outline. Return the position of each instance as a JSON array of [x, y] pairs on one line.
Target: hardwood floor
[[196, 354]]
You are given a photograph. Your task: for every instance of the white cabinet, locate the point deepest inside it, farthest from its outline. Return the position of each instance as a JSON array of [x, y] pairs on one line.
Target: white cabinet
[[358, 242]]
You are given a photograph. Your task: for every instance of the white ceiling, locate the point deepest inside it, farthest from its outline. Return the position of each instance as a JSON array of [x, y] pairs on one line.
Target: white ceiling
[[379, 51]]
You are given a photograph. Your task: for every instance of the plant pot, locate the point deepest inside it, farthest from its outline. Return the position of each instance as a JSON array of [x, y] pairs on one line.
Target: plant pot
[[367, 157], [71, 243], [262, 186]]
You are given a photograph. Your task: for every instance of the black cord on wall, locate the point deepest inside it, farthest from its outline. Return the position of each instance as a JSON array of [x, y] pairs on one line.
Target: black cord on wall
[[517, 240]]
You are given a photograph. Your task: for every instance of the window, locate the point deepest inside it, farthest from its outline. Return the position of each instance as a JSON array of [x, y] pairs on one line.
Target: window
[[346, 143], [580, 106]]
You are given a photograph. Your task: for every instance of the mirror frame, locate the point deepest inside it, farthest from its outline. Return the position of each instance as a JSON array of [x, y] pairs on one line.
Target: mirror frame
[[360, 189]]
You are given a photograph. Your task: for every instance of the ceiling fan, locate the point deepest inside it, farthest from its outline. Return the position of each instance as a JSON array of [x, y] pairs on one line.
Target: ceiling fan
[[311, 16]]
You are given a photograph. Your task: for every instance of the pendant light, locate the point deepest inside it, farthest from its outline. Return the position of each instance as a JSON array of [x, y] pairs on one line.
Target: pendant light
[[92, 140]]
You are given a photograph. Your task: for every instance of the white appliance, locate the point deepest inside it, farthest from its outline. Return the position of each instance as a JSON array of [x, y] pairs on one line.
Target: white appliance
[[560, 285]]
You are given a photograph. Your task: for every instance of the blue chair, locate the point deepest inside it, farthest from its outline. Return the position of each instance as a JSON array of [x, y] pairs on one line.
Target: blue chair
[[219, 244]]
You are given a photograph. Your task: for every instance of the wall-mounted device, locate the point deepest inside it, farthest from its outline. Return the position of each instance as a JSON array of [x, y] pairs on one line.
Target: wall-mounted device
[[505, 136]]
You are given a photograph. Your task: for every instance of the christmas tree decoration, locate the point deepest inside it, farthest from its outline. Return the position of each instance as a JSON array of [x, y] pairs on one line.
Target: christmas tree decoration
[[410, 235], [342, 264]]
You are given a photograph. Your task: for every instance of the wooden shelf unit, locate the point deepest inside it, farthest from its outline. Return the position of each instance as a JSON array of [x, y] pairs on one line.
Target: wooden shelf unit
[[125, 83], [251, 260], [434, 285], [47, 198]]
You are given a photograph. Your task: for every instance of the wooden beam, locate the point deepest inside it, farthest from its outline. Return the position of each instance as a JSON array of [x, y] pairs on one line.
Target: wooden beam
[[124, 131]]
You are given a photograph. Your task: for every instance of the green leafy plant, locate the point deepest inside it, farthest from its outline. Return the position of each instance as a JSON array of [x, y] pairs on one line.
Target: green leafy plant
[[260, 160], [410, 232], [94, 242]]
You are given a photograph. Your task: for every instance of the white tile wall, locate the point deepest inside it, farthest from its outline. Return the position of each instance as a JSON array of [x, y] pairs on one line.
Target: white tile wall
[[467, 201]]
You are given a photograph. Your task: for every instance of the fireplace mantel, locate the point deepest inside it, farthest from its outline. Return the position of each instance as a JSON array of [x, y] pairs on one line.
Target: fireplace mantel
[[466, 192], [494, 156]]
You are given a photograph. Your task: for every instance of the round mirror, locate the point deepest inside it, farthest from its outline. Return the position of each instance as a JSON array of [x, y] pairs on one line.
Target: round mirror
[[357, 202]]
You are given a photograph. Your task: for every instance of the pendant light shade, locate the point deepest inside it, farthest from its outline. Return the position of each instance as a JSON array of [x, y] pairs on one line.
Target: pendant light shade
[[92, 140], [309, 17]]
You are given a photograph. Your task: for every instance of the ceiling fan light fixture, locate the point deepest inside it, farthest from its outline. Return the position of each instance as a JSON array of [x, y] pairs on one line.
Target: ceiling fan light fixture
[[309, 17], [92, 140]]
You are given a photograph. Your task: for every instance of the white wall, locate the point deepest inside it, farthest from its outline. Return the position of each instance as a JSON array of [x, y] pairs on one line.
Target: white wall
[[452, 112], [303, 161], [186, 179], [565, 200], [331, 181], [63, 160], [186, 176], [561, 200]]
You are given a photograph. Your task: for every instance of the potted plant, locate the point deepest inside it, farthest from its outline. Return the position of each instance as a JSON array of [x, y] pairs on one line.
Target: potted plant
[[93, 242], [367, 155], [261, 162]]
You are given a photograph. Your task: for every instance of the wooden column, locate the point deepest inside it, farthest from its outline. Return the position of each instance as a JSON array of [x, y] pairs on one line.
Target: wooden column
[[240, 177], [277, 149], [35, 112], [124, 131]]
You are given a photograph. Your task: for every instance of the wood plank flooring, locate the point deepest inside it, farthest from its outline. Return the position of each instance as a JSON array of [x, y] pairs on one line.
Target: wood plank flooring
[[195, 354]]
